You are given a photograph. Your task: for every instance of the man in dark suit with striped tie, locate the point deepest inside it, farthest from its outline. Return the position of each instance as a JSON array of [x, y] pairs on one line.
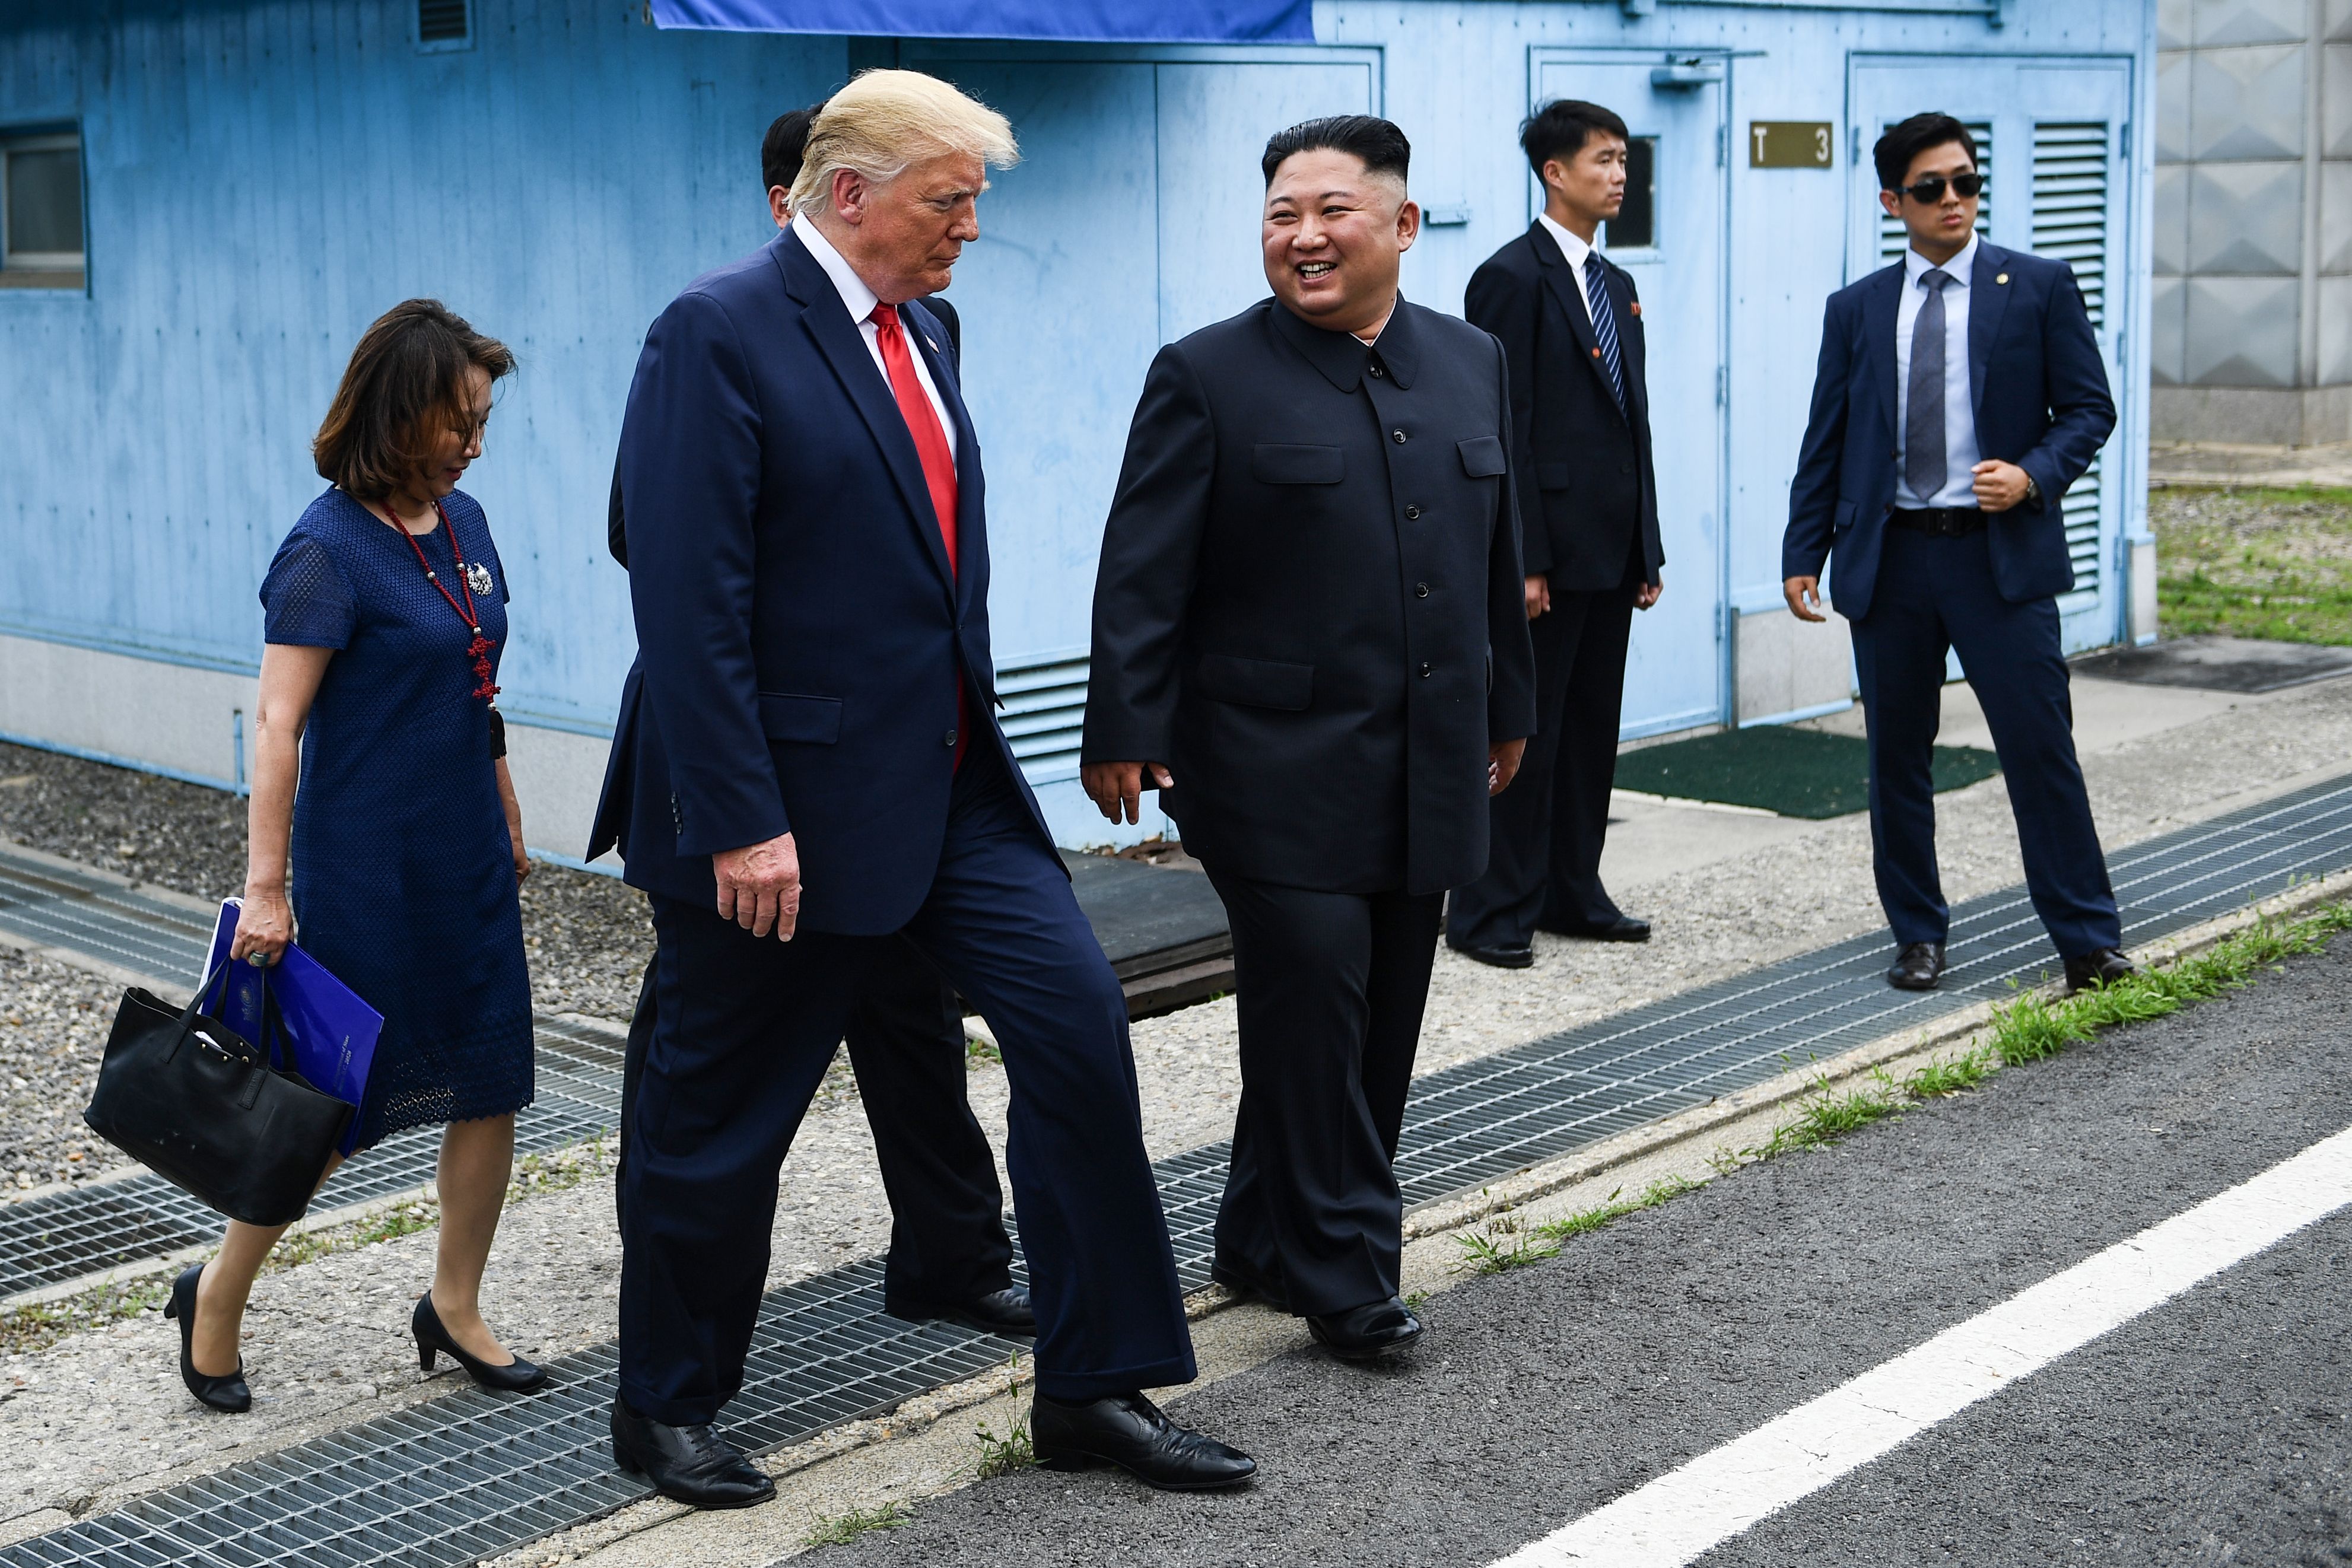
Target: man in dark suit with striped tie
[[1570, 327]]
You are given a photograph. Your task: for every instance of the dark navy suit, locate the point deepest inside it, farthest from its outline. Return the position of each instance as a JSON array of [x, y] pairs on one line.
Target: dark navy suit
[[801, 642], [2038, 396]]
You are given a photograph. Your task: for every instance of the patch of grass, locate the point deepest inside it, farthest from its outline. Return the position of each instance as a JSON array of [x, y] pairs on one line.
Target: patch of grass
[[1954, 1075], [1506, 1243], [1824, 1115], [26, 1329], [2274, 564], [846, 1528], [979, 1054]]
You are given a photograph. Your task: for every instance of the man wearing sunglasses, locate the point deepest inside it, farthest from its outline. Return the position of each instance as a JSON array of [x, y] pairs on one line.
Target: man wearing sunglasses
[[1959, 393]]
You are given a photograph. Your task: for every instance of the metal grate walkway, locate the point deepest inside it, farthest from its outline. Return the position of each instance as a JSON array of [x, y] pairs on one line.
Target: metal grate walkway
[[472, 1475]]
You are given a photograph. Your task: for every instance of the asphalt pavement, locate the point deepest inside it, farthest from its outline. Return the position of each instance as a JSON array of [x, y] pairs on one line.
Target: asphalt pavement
[[2209, 1430]]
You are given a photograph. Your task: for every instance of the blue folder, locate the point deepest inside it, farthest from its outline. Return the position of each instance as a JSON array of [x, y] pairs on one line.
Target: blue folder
[[328, 1032]]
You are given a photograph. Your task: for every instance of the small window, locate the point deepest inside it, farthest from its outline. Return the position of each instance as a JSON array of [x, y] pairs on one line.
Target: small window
[[443, 25], [1636, 226], [40, 211]]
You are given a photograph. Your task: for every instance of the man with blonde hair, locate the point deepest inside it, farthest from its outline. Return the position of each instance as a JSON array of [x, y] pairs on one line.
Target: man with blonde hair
[[807, 762]]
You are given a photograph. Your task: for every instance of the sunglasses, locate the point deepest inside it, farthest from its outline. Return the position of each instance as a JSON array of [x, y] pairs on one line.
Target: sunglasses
[[1930, 187]]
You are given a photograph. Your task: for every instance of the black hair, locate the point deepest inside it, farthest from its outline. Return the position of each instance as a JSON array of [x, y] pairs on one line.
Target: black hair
[[1902, 142], [784, 145], [1561, 127], [1377, 141]]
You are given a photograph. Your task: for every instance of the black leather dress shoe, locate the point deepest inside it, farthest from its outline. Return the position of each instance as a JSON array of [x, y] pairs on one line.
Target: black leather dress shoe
[[690, 1464], [1917, 967], [1006, 1312], [1624, 929], [227, 1392], [2099, 967], [1503, 956], [1131, 1432], [1367, 1333]]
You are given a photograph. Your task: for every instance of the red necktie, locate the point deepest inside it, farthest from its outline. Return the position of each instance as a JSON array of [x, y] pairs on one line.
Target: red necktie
[[931, 446]]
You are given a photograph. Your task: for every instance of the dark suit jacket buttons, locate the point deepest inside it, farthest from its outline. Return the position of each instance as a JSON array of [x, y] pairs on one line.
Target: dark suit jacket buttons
[[1411, 513], [1420, 590], [1624, 467], [1374, 369], [951, 737], [1397, 436], [1424, 670]]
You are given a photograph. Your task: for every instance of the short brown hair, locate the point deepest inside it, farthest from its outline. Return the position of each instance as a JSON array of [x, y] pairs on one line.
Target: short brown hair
[[408, 367]]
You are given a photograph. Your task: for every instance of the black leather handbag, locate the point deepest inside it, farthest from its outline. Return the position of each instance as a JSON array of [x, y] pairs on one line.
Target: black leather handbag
[[210, 1112]]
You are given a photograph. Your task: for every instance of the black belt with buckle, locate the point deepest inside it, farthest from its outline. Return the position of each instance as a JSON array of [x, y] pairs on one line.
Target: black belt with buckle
[[1937, 522]]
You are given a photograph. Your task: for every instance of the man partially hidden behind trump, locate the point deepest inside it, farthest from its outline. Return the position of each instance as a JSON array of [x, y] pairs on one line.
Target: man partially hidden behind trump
[[807, 761]]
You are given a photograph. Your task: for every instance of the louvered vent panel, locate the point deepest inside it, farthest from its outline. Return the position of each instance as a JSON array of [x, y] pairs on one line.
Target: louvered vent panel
[[2070, 224], [1892, 239], [1045, 714], [440, 21], [2070, 205]]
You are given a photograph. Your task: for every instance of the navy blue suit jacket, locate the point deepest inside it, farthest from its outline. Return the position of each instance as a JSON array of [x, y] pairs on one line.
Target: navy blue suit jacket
[[2040, 402], [800, 634]]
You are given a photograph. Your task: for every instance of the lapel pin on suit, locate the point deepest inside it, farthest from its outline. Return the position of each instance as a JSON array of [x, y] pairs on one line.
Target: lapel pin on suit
[[2001, 277], [1635, 307]]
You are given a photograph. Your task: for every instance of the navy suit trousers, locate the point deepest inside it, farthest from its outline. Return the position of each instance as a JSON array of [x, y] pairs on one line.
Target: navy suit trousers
[[746, 1028], [1935, 594]]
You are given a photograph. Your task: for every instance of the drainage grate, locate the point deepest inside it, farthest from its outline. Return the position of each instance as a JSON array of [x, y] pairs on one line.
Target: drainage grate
[[474, 1474], [64, 1236]]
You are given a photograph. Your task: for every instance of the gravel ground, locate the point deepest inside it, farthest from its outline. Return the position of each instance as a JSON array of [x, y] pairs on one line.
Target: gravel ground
[[53, 1024]]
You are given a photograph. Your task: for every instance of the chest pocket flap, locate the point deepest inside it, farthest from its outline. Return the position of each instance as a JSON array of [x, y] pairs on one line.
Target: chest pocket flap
[[1481, 457], [1297, 464]]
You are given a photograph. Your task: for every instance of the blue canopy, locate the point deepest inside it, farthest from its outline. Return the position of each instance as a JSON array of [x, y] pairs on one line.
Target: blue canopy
[[1078, 21]]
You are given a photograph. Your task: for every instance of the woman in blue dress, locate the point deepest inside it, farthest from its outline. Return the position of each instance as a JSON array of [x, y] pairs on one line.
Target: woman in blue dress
[[386, 616]]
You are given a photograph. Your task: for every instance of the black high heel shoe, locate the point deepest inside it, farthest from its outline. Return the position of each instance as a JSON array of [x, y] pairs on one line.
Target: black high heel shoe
[[228, 1392], [516, 1376]]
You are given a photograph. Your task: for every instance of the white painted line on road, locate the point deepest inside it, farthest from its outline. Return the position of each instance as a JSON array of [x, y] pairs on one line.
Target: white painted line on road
[[1692, 1509]]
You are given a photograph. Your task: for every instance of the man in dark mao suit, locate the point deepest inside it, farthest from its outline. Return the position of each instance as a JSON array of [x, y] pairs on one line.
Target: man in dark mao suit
[[1959, 393], [1570, 325], [806, 763], [950, 1257], [1309, 616]]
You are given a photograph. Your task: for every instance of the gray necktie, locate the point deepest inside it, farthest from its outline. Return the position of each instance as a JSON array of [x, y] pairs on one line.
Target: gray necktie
[[1922, 420]]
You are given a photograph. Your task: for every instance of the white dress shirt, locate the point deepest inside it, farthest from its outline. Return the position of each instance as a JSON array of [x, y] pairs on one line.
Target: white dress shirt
[[1960, 452], [859, 301], [1576, 250]]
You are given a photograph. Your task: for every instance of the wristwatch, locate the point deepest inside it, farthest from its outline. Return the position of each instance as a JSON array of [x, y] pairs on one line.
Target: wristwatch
[[2032, 492]]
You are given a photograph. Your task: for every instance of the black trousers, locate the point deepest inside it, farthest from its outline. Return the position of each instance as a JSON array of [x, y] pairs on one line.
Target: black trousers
[[1330, 989], [1549, 827], [744, 1028], [906, 1045], [1935, 594]]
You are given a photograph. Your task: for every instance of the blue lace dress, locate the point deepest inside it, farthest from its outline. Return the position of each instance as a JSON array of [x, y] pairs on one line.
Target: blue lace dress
[[404, 881]]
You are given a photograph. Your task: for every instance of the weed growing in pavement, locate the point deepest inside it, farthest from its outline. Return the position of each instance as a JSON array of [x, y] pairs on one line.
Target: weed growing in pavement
[[1507, 1244], [1014, 1450], [846, 1528], [979, 1054], [1953, 1075], [30, 1328]]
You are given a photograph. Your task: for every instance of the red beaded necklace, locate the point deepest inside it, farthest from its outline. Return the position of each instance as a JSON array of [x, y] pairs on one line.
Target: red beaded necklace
[[478, 650]]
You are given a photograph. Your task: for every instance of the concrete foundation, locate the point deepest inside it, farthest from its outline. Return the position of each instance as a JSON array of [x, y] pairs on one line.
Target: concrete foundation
[[2253, 416], [1789, 668]]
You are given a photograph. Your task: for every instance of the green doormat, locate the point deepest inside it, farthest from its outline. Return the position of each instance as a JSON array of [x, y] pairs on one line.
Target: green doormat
[[1794, 772]]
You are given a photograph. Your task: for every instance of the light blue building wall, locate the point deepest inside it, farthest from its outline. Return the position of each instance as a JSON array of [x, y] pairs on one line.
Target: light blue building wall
[[262, 179]]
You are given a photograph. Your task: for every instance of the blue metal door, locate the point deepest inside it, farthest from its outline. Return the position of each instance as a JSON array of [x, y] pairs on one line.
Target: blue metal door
[[1670, 238], [2052, 135]]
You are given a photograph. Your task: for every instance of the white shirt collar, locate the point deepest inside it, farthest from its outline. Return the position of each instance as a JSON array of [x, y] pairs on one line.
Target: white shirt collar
[[1571, 246], [856, 297], [1914, 266]]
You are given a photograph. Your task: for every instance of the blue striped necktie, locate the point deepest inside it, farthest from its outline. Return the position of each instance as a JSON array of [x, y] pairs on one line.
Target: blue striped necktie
[[1605, 324]]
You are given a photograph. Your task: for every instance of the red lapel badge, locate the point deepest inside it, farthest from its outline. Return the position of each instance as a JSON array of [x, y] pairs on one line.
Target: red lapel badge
[[1637, 307]]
